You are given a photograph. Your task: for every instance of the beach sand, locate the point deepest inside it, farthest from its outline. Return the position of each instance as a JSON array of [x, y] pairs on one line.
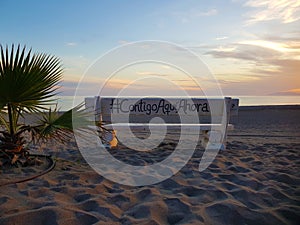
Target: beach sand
[[255, 181]]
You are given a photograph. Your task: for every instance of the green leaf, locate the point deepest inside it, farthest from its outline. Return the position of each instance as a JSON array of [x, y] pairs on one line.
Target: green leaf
[[27, 82], [60, 126]]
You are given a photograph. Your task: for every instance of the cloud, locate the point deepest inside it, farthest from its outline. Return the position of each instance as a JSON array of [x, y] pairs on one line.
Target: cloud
[[286, 11], [290, 36], [291, 92], [277, 46], [71, 44], [69, 87], [258, 51], [165, 67], [265, 65], [221, 38], [181, 80], [210, 12], [189, 15], [243, 52], [147, 73], [123, 42], [192, 13], [93, 87]]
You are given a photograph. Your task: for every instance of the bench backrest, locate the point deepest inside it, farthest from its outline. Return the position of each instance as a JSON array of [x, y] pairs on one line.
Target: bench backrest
[[171, 110]]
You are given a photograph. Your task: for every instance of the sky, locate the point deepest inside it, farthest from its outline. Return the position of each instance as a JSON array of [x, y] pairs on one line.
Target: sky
[[250, 47]]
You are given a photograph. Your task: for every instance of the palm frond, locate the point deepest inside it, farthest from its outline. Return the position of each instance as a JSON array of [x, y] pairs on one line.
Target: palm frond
[[28, 81], [59, 126], [3, 121]]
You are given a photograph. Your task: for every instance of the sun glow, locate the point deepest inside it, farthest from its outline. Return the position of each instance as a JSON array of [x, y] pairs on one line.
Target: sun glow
[[280, 47]]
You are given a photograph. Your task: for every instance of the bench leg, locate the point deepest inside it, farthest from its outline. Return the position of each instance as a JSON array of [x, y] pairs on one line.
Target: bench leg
[[213, 139]]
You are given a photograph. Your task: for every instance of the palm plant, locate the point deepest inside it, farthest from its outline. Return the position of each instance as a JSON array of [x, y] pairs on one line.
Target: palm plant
[[28, 83]]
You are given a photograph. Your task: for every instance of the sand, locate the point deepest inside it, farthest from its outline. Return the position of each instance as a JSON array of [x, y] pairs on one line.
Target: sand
[[255, 181]]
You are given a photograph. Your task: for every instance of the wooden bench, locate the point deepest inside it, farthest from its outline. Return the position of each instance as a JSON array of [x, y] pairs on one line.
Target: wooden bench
[[213, 117]]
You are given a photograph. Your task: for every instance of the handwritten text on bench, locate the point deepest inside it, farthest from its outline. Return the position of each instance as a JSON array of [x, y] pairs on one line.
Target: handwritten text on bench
[[161, 106]]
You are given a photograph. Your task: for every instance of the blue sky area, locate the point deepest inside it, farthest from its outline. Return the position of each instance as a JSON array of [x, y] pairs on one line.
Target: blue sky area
[[252, 47]]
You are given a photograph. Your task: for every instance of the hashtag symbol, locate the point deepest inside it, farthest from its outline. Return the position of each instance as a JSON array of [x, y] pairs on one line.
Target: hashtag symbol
[[115, 105]]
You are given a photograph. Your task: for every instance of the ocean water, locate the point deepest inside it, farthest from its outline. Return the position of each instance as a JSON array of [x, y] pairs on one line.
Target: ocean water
[[66, 102], [268, 100]]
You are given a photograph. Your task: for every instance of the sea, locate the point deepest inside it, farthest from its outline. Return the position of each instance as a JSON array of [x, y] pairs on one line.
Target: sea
[[67, 102]]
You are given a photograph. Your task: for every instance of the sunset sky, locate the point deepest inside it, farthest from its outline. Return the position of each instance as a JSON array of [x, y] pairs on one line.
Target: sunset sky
[[252, 47]]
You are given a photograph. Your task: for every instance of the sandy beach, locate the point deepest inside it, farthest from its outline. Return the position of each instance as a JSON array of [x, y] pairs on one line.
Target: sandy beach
[[255, 181]]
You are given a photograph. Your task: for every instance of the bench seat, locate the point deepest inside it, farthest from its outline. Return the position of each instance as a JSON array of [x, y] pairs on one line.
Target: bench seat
[[204, 127]]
